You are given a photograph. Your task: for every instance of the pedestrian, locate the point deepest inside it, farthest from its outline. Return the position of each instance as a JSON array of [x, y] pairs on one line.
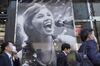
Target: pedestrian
[[62, 56], [6, 55], [16, 60], [90, 44]]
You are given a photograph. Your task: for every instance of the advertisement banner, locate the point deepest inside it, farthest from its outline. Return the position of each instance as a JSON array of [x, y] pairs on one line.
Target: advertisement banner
[[42, 26]]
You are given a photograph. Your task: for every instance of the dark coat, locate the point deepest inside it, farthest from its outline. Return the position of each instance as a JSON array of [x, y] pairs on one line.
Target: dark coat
[[16, 62], [92, 52], [62, 59], [5, 60]]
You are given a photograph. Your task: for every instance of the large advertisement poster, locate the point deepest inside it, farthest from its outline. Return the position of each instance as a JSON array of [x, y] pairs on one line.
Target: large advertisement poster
[[42, 26]]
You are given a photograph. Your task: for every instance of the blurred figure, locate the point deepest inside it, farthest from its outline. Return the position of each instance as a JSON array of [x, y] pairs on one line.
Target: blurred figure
[[16, 60], [91, 46], [6, 56], [62, 56]]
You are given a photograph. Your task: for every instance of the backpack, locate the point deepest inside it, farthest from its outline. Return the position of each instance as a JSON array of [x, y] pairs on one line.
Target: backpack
[[82, 57]]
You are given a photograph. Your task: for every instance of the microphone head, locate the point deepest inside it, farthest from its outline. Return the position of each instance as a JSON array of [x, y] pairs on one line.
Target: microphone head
[[59, 23]]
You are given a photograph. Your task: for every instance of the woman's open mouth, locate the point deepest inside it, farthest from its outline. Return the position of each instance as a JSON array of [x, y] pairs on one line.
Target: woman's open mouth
[[48, 25]]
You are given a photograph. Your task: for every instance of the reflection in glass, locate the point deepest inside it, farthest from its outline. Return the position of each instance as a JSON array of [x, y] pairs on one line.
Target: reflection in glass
[[81, 10]]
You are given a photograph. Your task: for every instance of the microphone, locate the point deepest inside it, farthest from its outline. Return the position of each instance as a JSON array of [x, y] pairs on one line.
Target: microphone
[[61, 23]]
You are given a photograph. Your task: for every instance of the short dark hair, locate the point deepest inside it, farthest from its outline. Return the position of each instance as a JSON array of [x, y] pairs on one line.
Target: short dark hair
[[84, 33], [4, 44], [65, 45]]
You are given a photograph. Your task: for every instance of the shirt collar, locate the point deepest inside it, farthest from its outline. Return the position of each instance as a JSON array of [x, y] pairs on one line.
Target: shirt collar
[[9, 55], [65, 53]]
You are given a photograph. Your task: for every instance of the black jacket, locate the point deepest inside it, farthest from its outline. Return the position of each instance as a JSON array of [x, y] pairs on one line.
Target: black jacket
[[62, 59], [5, 60], [16, 62]]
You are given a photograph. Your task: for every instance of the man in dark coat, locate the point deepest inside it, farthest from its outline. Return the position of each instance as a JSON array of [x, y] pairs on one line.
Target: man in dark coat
[[6, 56], [62, 56], [91, 46]]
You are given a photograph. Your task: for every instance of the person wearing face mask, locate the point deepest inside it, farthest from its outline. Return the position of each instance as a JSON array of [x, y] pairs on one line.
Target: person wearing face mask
[[16, 60], [6, 55], [62, 56], [90, 44]]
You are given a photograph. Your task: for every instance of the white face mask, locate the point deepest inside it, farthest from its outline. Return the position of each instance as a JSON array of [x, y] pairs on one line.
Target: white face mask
[[14, 49]]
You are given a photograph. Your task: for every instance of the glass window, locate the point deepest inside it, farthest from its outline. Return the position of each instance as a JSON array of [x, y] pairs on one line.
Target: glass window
[[96, 8], [80, 10]]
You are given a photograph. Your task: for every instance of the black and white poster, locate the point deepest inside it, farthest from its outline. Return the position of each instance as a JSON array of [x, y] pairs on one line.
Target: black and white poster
[[42, 26]]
